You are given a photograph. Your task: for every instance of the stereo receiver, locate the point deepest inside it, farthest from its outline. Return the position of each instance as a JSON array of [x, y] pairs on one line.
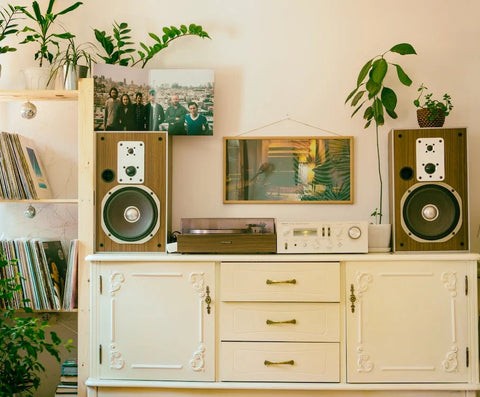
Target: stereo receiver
[[318, 237]]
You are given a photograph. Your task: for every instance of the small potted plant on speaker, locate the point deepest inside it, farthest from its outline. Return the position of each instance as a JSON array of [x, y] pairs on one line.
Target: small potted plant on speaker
[[432, 112]]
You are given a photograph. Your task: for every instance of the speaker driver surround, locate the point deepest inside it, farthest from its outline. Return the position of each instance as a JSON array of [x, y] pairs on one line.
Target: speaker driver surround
[[431, 212], [130, 214]]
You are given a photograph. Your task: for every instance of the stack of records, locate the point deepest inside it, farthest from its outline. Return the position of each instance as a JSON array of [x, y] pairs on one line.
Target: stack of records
[[68, 380]]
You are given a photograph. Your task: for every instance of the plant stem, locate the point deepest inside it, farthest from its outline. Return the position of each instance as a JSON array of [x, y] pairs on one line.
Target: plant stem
[[380, 209]]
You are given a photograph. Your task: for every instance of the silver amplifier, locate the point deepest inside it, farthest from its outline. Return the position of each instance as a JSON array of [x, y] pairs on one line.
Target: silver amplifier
[[318, 237]]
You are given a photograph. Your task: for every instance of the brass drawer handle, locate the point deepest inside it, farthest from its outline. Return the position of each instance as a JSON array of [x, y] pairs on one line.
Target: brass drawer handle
[[289, 362], [292, 321], [353, 298], [292, 281], [208, 300]]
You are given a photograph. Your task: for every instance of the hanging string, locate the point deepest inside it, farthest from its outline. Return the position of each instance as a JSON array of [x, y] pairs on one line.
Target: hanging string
[[289, 119]]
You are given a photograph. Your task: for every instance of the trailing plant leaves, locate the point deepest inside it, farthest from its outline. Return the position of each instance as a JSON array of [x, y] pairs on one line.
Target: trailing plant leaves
[[373, 88], [357, 97]]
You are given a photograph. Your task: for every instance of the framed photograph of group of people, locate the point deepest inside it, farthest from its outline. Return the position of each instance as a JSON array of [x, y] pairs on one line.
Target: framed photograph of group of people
[[179, 101]]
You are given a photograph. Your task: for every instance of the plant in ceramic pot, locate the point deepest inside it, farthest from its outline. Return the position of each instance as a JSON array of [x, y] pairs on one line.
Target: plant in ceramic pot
[[117, 48], [22, 336], [75, 61], [8, 25], [41, 34], [379, 100], [432, 112]]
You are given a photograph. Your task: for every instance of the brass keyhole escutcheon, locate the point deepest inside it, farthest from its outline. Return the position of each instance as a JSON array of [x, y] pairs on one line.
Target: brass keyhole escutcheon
[[353, 299]]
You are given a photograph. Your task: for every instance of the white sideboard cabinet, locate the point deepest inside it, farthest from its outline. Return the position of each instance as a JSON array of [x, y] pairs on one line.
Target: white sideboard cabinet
[[153, 321], [289, 325]]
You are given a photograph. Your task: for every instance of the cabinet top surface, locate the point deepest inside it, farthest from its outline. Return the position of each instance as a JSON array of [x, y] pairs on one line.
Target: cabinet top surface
[[129, 256]]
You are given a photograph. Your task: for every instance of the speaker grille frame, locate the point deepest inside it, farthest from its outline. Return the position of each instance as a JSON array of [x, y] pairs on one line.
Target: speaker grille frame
[[146, 192], [415, 234]]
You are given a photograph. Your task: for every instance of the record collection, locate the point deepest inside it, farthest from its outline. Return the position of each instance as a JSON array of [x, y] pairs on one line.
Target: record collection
[[48, 278]]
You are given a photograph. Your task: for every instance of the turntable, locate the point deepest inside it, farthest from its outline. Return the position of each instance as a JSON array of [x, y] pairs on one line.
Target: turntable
[[227, 235]]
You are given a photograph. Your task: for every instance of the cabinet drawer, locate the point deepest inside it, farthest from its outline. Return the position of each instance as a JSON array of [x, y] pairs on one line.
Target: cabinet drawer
[[280, 362], [287, 282], [258, 321]]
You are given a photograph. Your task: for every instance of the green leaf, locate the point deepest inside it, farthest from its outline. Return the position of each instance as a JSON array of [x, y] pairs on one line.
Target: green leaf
[[357, 97], [363, 72], [378, 111], [403, 49], [351, 94], [357, 109], [379, 70], [389, 99], [373, 88], [402, 76]]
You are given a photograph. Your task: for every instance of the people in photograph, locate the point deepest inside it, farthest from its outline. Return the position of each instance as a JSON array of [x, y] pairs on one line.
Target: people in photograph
[[154, 112], [112, 105], [175, 116], [196, 124], [126, 116], [139, 112]]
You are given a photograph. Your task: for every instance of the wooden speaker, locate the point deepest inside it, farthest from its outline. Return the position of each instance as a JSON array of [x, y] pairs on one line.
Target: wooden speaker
[[130, 198], [429, 189]]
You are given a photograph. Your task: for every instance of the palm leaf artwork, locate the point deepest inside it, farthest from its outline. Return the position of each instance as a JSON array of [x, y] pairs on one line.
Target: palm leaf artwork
[[331, 172]]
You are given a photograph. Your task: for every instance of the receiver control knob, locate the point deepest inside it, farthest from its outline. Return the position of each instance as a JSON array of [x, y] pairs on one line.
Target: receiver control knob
[[354, 232]]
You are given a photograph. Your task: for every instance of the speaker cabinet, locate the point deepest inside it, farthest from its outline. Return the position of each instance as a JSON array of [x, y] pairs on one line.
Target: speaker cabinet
[[429, 189], [130, 198]]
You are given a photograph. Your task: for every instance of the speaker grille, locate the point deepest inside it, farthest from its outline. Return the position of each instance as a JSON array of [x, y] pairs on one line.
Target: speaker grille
[[130, 214], [431, 212]]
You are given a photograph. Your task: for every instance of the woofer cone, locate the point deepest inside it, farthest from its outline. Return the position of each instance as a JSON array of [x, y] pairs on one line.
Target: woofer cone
[[130, 214], [431, 212]]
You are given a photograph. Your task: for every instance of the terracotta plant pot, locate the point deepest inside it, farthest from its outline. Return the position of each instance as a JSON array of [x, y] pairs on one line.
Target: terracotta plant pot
[[425, 120]]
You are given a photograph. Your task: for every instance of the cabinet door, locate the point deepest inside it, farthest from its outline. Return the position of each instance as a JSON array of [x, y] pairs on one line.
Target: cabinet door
[[154, 322], [407, 322]]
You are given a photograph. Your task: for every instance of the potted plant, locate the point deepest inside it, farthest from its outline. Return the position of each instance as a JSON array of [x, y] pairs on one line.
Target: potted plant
[[432, 112], [8, 26], [22, 336], [117, 49], [380, 101], [41, 34], [75, 62]]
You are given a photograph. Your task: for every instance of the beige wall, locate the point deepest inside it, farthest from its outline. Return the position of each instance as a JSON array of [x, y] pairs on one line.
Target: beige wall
[[280, 60], [297, 60]]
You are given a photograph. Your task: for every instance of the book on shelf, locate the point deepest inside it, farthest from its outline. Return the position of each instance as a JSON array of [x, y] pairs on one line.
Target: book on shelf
[[69, 379], [47, 276], [69, 367], [22, 175]]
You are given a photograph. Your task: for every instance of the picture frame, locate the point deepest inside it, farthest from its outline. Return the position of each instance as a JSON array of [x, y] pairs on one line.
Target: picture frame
[[289, 170]]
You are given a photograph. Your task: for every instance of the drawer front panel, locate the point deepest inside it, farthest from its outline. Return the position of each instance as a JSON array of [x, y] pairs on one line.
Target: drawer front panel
[[280, 362], [258, 321], [287, 282]]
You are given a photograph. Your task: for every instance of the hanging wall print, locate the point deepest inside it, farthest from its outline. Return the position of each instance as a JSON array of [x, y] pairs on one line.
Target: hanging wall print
[[288, 170]]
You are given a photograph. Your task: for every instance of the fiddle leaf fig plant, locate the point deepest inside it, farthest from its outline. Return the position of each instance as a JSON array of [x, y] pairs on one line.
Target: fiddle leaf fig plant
[[119, 51], [22, 336], [379, 99], [41, 34]]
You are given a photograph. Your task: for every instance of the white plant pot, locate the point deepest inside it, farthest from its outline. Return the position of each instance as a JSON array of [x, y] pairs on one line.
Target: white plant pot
[[379, 237], [37, 78]]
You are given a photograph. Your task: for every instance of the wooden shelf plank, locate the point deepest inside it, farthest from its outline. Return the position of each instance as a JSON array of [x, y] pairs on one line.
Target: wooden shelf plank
[[42, 201], [39, 95]]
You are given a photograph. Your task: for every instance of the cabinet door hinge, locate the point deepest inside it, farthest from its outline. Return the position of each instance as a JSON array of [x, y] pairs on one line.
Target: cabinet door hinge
[[100, 284], [467, 357], [466, 285], [99, 354]]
